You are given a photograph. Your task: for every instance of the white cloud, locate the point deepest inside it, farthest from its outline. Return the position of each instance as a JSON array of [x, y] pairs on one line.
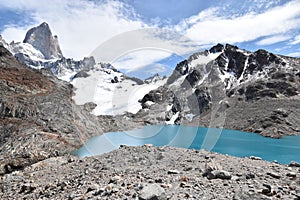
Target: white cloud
[[139, 59], [273, 40], [209, 27], [158, 68], [295, 54], [296, 40], [160, 40], [80, 25], [13, 33]]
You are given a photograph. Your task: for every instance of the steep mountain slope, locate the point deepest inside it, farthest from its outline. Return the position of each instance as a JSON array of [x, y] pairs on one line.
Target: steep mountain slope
[[232, 88], [38, 118]]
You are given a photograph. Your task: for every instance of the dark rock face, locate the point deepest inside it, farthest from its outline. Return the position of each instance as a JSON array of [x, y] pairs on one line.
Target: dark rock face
[[202, 100], [270, 89], [115, 80], [42, 39], [181, 69], [81, 74], [158, 96], [218, 48], [236, 61], [192, 79]]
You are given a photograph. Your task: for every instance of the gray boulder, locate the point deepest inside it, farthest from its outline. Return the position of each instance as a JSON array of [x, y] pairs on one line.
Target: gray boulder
[[152, 192]]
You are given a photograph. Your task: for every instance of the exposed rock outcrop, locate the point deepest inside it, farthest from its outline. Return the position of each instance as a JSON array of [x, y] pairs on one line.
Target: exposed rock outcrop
[[41, 38]]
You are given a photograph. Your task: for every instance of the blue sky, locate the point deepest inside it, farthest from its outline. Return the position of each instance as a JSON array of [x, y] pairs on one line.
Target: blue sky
[[180, 27]]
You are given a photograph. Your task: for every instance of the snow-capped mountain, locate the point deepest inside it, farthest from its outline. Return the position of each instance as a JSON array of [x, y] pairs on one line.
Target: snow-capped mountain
[[106, 90], [41, 38], [40, 49], [211, 88]]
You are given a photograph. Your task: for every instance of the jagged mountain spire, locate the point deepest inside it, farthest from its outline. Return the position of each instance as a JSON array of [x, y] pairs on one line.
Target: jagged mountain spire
[[42, 39]]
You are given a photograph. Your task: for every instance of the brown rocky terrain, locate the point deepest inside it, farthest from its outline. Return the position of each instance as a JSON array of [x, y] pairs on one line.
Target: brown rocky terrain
[[148, 173]]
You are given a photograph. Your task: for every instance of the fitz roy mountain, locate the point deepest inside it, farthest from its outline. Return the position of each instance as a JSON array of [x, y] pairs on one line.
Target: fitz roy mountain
[[41, 38]]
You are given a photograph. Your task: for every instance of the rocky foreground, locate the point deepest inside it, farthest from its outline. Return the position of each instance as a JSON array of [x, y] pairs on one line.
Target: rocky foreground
[[153, 173]]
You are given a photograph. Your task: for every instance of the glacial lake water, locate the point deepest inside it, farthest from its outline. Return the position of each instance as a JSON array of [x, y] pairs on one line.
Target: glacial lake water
[[235, 143]]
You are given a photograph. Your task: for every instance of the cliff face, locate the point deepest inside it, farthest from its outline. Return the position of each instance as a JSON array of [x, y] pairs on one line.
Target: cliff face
[[41, 38]]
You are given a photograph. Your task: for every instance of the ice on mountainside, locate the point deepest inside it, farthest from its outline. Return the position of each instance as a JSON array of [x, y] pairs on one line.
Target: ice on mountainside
[[111, 90]]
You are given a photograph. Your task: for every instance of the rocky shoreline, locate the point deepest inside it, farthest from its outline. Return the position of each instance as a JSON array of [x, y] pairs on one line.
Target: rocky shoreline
[[149, 172]]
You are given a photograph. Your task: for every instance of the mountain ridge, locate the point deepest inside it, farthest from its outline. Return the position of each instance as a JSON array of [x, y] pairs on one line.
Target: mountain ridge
[[209, 82]]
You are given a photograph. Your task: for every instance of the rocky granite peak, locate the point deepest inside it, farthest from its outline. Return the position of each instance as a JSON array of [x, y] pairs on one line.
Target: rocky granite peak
[[217, 48], [41, 38]]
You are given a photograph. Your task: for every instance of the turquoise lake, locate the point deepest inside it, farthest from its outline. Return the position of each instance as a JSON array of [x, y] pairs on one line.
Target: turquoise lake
[[235, 143]]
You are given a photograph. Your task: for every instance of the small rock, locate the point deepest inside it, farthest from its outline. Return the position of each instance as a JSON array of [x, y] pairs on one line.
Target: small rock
[[184, 178], [115, 179], [185, 185], [158, 180], [235, 178], [109, 187], [189, 168], [294, 164], [273, 174], [173, 172], [293, 186], [221, 174], [209, 167], [26, 188], [250, 176], [255, 158], [166, 185], [267, 190], [152, 192], [148, 145], [291, 174]]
